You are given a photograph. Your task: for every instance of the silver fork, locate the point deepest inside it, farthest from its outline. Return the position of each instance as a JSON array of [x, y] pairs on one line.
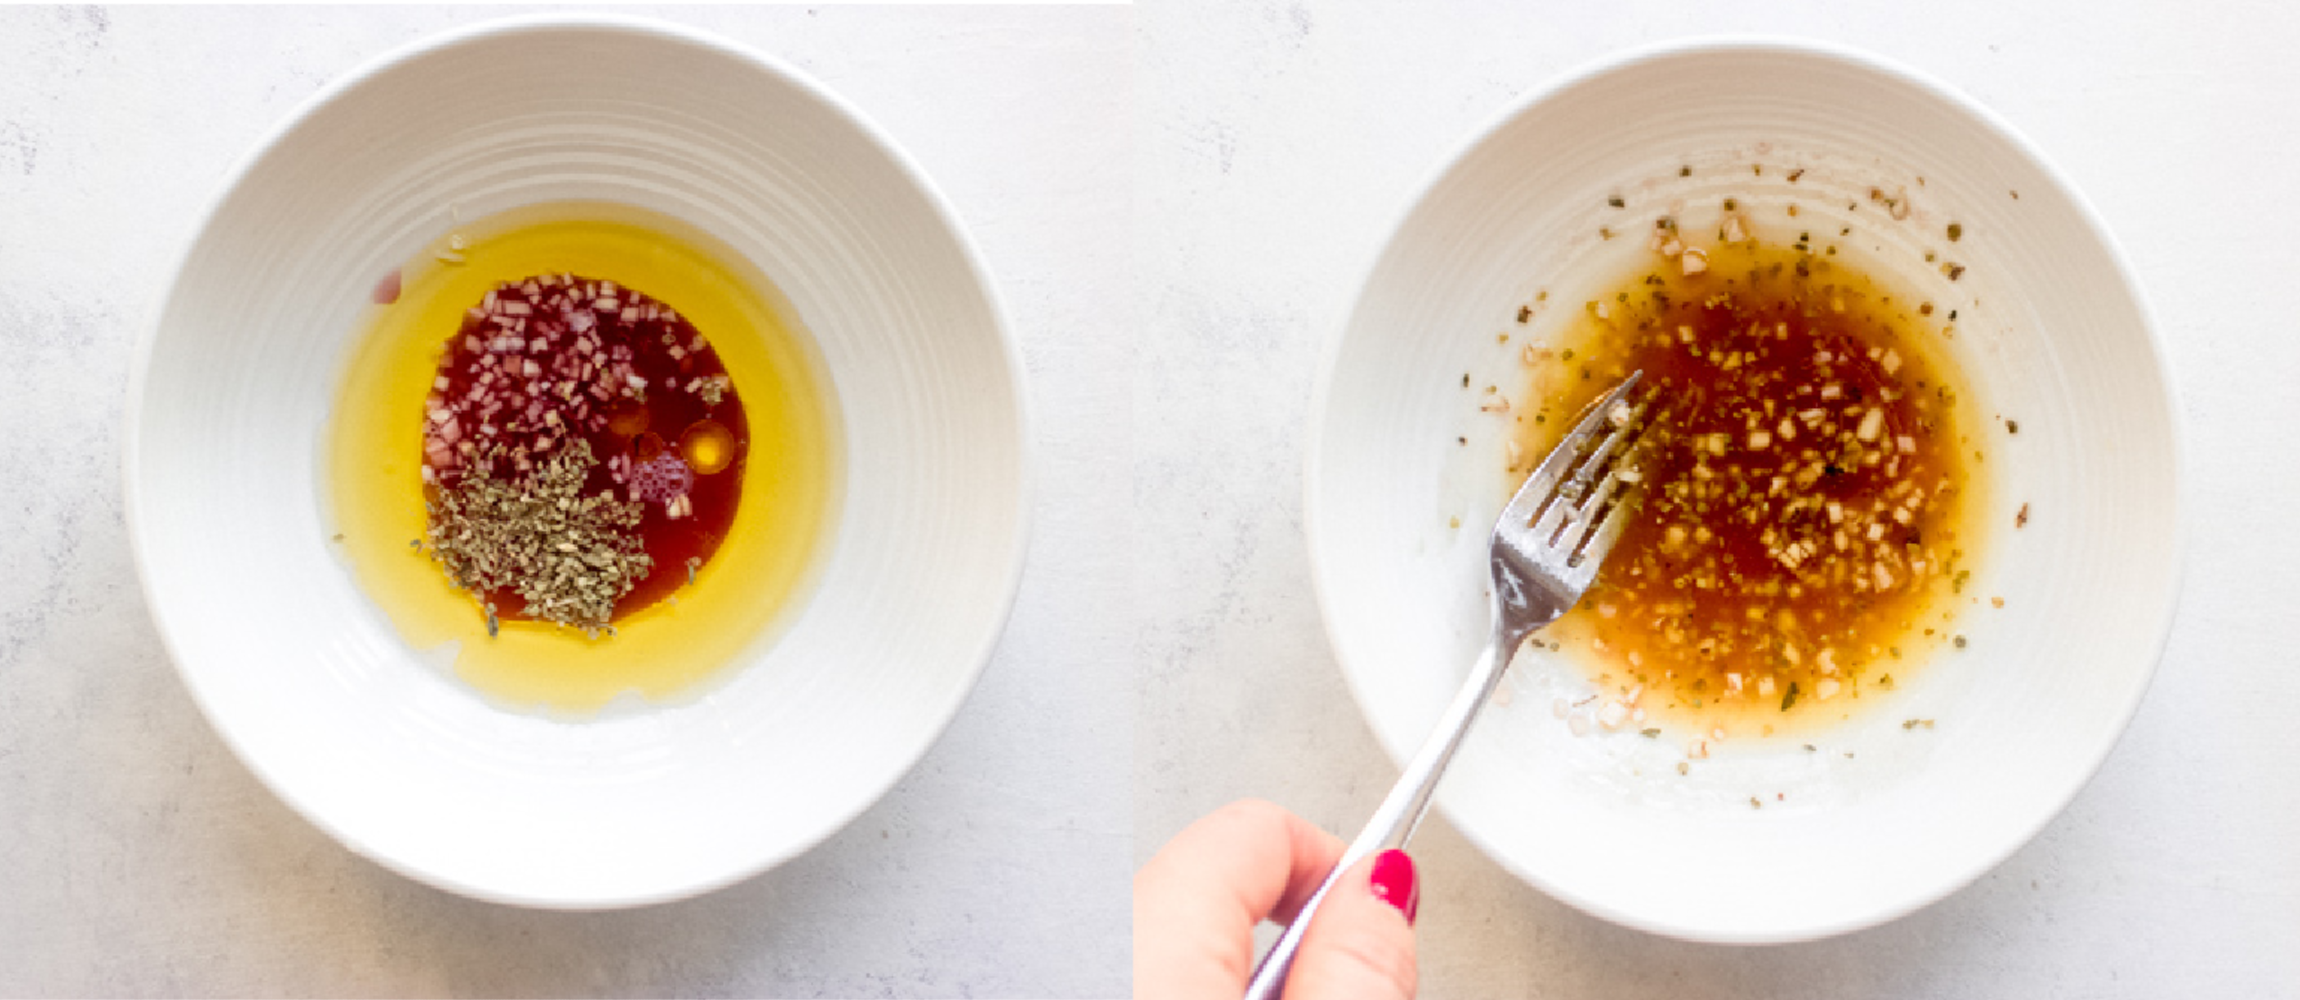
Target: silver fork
[[1546, 548]]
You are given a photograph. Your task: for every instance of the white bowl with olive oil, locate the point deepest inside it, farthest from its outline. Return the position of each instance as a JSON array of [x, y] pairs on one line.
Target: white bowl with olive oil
[[1933, 756], [276, 469]]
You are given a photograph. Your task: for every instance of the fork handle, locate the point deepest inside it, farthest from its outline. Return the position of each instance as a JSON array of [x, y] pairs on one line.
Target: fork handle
[[1400, 813]]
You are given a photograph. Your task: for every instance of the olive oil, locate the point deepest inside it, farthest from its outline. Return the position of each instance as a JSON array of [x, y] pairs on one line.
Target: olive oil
[[747, 588]]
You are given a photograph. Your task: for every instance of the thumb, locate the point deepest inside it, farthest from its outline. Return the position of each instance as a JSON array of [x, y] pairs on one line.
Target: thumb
[[1361, 941]]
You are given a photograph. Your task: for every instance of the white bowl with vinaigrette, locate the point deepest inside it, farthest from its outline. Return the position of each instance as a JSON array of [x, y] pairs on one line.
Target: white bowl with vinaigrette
[[1797, 776], [284, 408]]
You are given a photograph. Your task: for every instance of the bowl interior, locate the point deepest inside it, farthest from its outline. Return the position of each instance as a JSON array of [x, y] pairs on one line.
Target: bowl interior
[[316, 691], [1877, 819]]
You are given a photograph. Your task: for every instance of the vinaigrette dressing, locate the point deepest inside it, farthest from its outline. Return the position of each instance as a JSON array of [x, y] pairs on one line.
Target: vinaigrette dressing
[[732, 545], [583, 450], [1813, 489]]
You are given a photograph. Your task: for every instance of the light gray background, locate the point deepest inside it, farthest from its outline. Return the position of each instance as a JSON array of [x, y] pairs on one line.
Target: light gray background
[[1280, 142], [137, 856], [1176, 199]]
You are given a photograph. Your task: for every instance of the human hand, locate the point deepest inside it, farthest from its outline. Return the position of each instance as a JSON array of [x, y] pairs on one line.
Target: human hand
[[1197, 901]]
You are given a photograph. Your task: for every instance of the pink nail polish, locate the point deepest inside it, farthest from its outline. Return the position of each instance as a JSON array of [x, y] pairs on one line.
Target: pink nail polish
[[1395, 884]]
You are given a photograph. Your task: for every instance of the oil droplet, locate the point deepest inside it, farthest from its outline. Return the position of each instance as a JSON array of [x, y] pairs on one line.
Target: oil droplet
[[628, 417], [646, 446], [708, 446]]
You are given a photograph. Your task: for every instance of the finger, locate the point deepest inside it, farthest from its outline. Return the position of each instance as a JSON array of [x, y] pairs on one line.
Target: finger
[[1197, 901], [1361, 941]]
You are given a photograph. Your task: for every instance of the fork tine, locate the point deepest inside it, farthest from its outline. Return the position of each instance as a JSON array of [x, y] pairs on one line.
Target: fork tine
[[1578, 574], [1615, 438], [1579, 498], [1541, 486], [1577, 519], [1556, 514], [1629, 439]]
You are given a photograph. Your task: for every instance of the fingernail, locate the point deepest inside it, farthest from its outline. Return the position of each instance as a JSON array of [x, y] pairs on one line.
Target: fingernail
[[1394, 883]]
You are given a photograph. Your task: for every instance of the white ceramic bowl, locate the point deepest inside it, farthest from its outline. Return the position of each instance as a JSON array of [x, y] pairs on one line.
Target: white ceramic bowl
[[311, 686], [1879, 819]]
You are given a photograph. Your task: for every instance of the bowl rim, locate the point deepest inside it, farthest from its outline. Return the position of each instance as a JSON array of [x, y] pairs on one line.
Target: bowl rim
[[651, 30], [2167, 600]]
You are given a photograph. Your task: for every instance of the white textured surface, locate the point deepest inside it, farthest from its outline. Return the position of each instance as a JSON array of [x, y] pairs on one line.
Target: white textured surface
[[1286, 137], [137, 856]]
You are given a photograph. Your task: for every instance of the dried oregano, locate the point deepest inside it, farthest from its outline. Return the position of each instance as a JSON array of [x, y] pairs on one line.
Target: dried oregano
[[569, 556]]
